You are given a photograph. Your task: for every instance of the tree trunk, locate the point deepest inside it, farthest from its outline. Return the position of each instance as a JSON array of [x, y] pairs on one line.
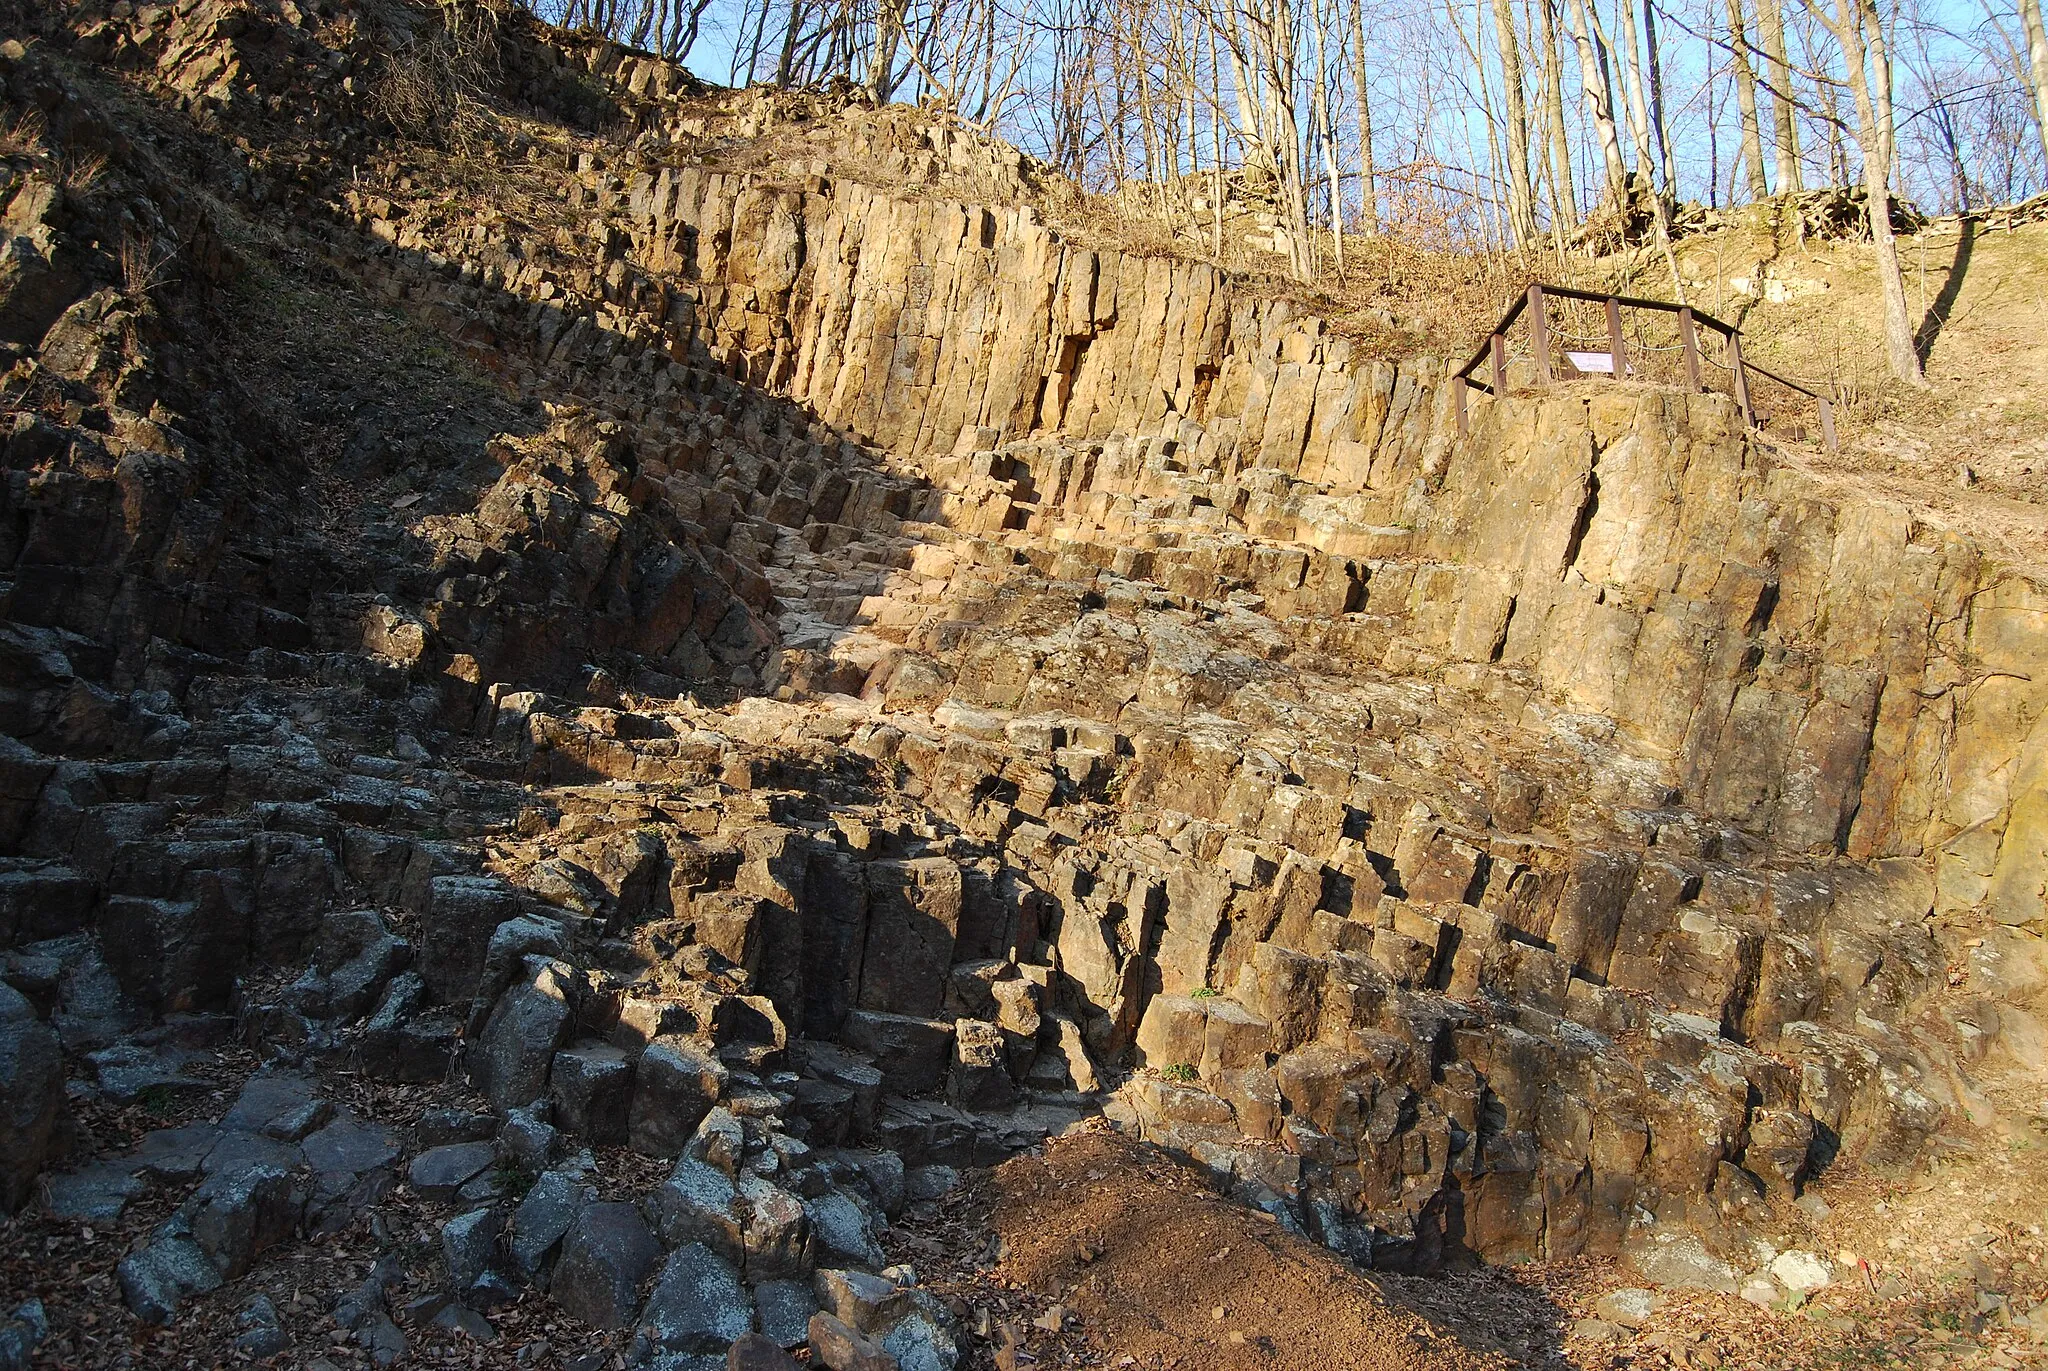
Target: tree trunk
[[1564, 194], [1859, 31], [1368, 189], [1745, 102], [1660, 131], [1784, 127], [881, 80], [1521, 196], [2037, 66], [1632, 88], [1599, 98], [1329, 136]]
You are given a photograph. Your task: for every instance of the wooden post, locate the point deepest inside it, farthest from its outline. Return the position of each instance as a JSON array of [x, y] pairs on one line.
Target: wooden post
[[1458, 403], [1615, 346], [1691, 343], [1498, 346], [1741, 379], [1539, 334], [1827, 425]]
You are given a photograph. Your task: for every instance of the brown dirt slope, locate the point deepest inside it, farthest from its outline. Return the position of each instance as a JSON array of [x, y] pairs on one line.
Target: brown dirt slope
[[1162, 1272]]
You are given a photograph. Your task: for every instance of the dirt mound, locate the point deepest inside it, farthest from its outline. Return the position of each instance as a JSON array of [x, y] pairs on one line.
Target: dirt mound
[[1160, 1268]]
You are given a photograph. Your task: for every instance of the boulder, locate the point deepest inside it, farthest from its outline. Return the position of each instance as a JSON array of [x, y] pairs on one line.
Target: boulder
[[870, 1303], [838, 1347], [844, 1228], [281, 1105], [676, 1084], [912, 1054], [28, 1325], [592, 1089], [545, 1214], [913, 919], [923, 1341], [510, 1061], [699, 1203], [979, 1078], [235, 1215], [778, 1233], [698, 1304], [607, 1252], [170, 1268], [783, 1309], [758, 1352], [31, 1096], [469, 1244], [439, 1172]]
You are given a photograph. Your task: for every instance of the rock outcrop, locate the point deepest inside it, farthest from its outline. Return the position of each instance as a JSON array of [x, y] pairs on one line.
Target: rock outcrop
[[865, 682]]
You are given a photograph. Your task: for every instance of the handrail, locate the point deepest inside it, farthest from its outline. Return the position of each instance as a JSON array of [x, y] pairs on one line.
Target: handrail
[[1535, 301]]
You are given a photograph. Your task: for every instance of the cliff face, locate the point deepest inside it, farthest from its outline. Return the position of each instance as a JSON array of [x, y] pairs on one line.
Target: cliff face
[[772, 645], [1827, 672]]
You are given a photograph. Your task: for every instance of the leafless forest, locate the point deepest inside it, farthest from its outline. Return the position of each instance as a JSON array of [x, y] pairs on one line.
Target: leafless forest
[[1511, 123]]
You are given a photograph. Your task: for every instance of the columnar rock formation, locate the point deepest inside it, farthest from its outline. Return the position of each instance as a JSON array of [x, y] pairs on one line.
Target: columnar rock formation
[[920, 675]]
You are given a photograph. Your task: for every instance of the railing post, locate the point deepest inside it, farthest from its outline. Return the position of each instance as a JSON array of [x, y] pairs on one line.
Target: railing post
[[1539, 333], [1827, 425], [1691, 343], [1458, 404], [1741, 379], [1615, 346], [1497, 346]]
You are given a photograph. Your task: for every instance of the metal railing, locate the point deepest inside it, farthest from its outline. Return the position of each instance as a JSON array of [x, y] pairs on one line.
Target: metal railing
[[1616, 357]]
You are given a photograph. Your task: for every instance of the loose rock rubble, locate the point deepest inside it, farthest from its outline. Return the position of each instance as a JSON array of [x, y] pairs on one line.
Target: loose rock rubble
[[736, 676]]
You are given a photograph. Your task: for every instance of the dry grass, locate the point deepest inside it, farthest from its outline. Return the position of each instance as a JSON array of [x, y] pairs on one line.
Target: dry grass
[[23, 136], [438, 87], [145, 265]]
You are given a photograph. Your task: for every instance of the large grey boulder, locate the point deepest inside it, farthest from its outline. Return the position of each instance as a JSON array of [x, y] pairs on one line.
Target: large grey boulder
[[469, 1245], [911, 1053], [282, 1105], [510, 1061], [778, 1232], [677, 1083], [606, 1254], [844, 1227], [545, 1216], [235, 1215], [31, 1096], [172, 1267], [348, 1146], [924, 1339], [592, 1089], [27, 1326], [439, 1172], [698, 1304], [861, 1299], [699, 1203], [96, 1194], [783, 1310]]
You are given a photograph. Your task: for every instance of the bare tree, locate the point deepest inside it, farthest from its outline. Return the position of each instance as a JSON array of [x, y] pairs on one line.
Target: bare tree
[[1368, 190], [1521, 197], [1745, 101], [1598, 93], [2037, 65], [1784, 127], [1858, 30], [1564, 194]]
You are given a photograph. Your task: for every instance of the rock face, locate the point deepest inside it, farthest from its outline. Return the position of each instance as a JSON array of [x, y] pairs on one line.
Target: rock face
[[31, 1095], [881, 680]]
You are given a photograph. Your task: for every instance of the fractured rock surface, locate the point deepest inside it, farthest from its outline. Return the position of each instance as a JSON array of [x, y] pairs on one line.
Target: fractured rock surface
[[829, 684]]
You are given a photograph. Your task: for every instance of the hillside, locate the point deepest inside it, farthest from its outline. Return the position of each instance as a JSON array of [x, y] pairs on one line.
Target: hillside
[[645, 726]]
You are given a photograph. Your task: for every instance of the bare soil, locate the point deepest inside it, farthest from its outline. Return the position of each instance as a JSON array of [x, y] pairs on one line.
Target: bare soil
[[1100, 1251]]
